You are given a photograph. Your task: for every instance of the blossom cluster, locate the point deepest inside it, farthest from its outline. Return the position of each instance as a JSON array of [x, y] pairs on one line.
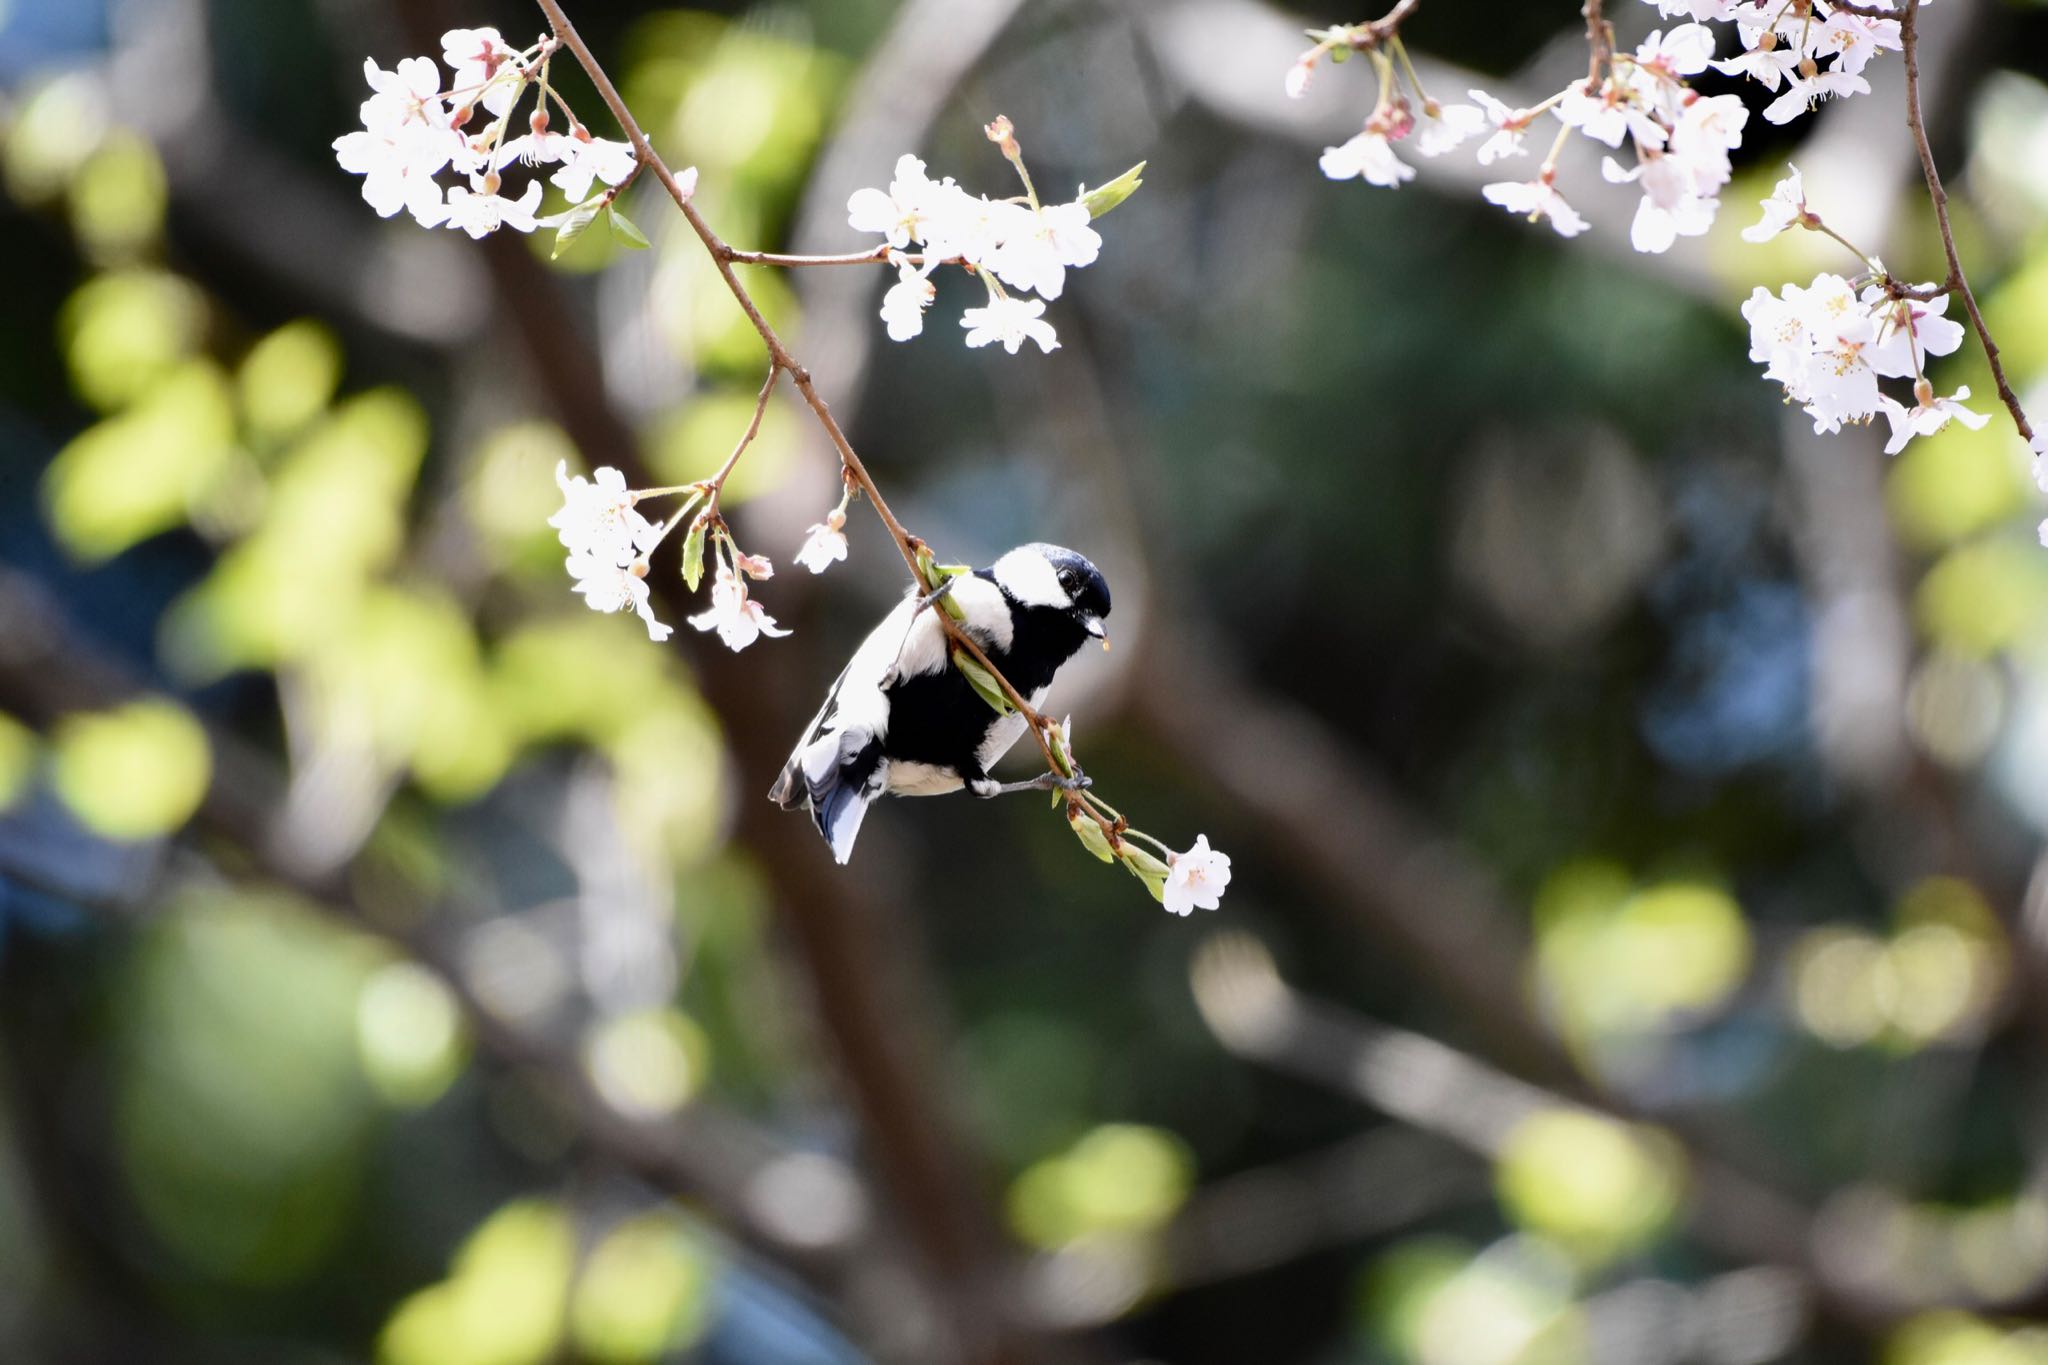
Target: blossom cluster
[[1829, 343], [1015, 245], [1679, 140], [418, 124], [609, 542]]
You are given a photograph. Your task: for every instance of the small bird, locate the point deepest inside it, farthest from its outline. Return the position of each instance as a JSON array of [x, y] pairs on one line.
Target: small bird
[[902, 719]]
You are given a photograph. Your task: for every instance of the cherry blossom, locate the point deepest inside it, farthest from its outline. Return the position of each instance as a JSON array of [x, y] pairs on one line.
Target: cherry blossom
[[1369, 157], [610, 587], [904, 304], [1609, 116], [398, 168], [1509, 128], [585, 158], [482, 214], [1536, 199], [1803, 92], [901, 213], [1298, 75], [1910, 331], [597, 516], [1769, 67], [826, 543], [738, 618], [1445, 127], [476, 56], [408, 94], [1785, 207], [1012, 322], [1036, 251], [1195, 879], [1928, 415]]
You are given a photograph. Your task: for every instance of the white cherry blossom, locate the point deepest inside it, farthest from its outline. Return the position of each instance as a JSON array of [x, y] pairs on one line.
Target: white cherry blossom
[[1803, 92], [901, 213], [1443, 127], [1926, 418], [1011, 321], [1196, 879], [479, 215], [904, 304], [1369, 157], [398, 167], [1038, 248], [597, 515], [477, 56], [1768, 67], [585, 158], [738, 618], [1298, 75], [609, 587], [1536, 199], [1510, 126], [826, 543], [1785, 207], [1855, 40], [1909, 331], [1669, 208]]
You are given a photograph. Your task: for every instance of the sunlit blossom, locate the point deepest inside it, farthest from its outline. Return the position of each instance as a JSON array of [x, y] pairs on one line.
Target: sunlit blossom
[[1196, 879]]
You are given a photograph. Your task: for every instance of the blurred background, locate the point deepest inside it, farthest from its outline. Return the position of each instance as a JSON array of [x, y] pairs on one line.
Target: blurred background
[[1638, 945]]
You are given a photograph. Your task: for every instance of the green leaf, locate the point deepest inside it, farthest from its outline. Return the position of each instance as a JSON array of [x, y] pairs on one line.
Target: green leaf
[[573, 224], [982, 682], [693, 556], [623, 229], [1146, 868], [1090, 834], [1103, 198]]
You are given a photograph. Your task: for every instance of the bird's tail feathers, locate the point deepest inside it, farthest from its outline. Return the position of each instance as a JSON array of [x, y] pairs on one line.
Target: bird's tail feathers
[[838, 811], [788, 791]]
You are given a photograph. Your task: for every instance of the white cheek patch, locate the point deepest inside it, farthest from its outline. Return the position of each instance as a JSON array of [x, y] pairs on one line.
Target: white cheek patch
[[1026, 575]]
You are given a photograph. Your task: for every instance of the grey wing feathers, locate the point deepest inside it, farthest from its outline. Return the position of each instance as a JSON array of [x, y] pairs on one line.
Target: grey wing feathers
[[838, 767]]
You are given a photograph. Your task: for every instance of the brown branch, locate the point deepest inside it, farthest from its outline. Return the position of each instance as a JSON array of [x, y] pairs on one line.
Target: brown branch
[[1599, 43], [723, 256], [1910, 46], [1364, 37]]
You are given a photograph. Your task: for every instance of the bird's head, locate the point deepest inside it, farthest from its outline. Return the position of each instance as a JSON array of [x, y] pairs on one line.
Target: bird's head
[[1053, 577]]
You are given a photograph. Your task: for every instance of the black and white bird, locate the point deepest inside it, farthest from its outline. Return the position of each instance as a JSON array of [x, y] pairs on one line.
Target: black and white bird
[[901, 719]]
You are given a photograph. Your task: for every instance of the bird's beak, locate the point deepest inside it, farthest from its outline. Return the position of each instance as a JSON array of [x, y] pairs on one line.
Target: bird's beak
[[1093, 625]]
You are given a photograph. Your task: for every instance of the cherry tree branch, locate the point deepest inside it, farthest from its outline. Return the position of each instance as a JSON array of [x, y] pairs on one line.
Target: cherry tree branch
[[723, 257], [1957, 281]]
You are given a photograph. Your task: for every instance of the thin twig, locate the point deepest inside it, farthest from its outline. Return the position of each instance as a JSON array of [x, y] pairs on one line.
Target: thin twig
[[716, 482], [1910, 46], [723, 256], [874, 257]]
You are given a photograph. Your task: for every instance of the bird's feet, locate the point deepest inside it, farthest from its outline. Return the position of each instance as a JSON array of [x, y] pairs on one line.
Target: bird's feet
[[1045, 782], [934, 597]]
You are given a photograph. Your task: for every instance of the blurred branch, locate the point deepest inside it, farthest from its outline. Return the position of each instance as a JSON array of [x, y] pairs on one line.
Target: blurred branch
[[1440, 1090], [703, 1155], [1247, 1223]]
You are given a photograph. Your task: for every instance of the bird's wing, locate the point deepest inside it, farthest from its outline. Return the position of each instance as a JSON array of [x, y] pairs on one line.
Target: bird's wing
[[838, 766]]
